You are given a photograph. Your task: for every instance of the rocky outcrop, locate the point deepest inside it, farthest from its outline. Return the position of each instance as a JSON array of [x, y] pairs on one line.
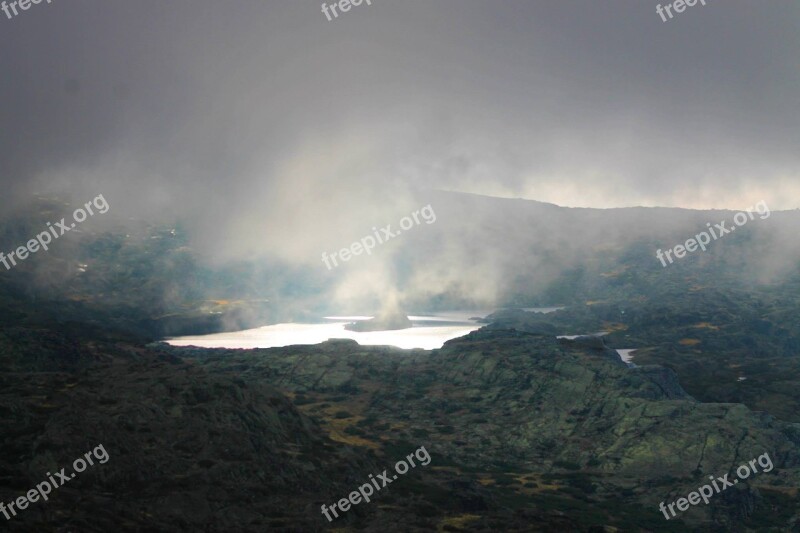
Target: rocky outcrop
[[188, 450], [519, 426], [533, 408]]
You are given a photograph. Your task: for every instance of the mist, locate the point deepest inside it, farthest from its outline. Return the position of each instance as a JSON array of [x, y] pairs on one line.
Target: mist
[[274, 134]]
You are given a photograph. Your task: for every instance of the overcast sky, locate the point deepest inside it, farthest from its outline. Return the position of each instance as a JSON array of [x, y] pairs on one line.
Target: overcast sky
[[251, 106]]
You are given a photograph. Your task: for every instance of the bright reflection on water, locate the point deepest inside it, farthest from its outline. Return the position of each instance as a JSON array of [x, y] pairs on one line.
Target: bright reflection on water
[[428, 332]]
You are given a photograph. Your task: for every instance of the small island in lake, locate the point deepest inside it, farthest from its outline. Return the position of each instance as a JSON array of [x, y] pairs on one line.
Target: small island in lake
[[383, 322]]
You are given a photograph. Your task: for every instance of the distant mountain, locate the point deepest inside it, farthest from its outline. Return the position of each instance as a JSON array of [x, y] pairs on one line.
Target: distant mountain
[[479, 252]]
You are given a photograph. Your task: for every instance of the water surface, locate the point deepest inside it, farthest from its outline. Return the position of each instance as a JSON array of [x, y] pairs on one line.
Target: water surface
[[429, 331]]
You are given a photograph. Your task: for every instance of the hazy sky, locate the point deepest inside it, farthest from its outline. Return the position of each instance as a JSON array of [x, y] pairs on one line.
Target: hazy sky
[[261, 111]]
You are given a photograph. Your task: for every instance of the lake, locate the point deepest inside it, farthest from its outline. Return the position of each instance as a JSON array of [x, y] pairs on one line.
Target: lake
[[428, 331]]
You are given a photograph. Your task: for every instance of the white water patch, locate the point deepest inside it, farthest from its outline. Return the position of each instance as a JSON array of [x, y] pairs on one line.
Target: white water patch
[[348, 318], [625, 354], [541, 309], [425, 333], [573, 337], [279, 335], [469, 315]]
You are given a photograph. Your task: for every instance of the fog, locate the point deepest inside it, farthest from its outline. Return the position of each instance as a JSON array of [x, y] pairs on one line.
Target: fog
[[276, 134]]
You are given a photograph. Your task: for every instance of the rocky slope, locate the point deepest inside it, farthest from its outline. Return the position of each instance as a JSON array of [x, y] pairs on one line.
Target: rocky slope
[[188, 450], [542, 423]]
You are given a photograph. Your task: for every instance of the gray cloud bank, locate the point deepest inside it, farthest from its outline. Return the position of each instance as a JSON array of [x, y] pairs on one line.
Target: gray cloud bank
[[273, 130]]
